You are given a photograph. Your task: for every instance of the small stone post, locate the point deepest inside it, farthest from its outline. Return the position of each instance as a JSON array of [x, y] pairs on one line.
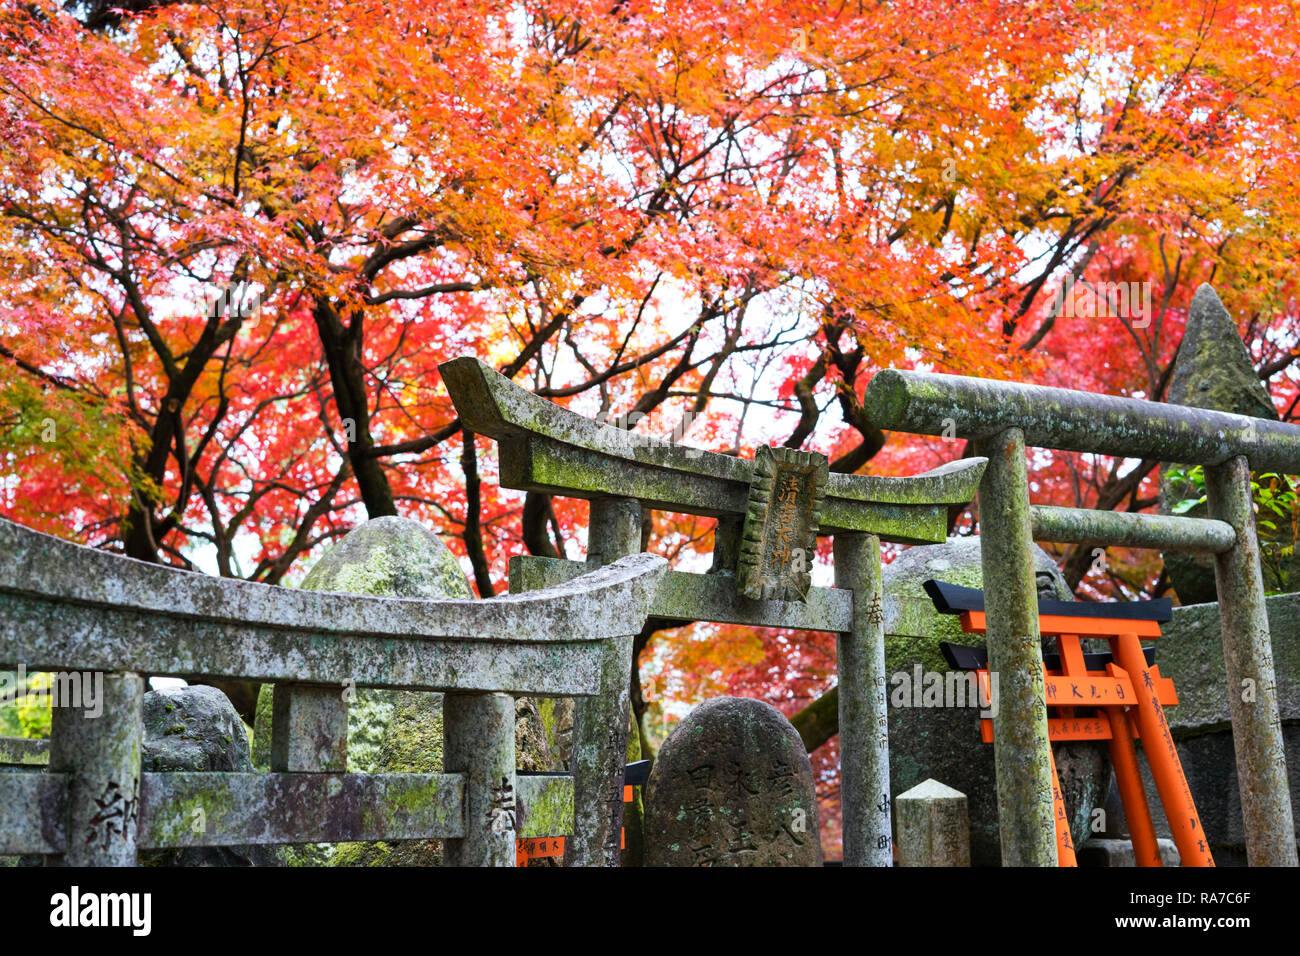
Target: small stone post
[[1021, 753], [479, 741], [1252, 684], [863, 709], [600, 722], [309, 729], [100, 754], [933, 826]]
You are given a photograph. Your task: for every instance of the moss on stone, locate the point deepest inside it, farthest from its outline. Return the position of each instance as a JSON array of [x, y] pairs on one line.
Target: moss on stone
[[554, 713], [369, 715], [309, 854], [915, 632], [533, 744], [361, 854], [185, 813], [551, 811], [388, 731], [412, 741], [390, 557], [261, 742]]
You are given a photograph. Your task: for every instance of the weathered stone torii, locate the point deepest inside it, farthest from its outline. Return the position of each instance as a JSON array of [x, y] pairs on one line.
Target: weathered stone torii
[[546, 448], [1003, 418]]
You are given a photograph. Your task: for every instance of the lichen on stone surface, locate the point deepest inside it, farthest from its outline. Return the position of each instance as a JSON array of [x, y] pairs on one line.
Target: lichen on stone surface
[[732, 786], [401, 731], [197, 729], [388, 731], [390, 557]]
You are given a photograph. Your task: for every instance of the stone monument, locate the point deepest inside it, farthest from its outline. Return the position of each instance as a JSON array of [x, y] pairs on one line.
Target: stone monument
[[732, 786], [1213, 370]]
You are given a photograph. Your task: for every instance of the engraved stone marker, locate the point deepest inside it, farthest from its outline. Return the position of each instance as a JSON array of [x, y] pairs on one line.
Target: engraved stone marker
[[732, 786], [933, 826], [780, 533]]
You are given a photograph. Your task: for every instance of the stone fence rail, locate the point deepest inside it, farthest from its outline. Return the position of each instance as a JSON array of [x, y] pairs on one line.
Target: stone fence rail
[[66, 608]]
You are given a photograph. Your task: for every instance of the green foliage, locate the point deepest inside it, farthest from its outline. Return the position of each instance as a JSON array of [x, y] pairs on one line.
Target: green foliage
[[29, 715], [10, 725], [1187, 479], [83, 436], [1277, 515]]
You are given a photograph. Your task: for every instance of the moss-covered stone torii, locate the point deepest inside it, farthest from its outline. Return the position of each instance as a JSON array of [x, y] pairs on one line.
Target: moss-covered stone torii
[[547, 448], [78, 611], [1002, 418]]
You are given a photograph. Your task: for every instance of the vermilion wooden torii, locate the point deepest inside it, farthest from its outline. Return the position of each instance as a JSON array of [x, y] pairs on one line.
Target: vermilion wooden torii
[[1096, 699]]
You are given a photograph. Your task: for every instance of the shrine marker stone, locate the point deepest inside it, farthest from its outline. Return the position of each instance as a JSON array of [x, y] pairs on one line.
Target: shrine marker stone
[[732, 786], [933, 826]]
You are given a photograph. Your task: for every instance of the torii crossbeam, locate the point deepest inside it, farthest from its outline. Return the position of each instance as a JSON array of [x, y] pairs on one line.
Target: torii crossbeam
[[547, 448]]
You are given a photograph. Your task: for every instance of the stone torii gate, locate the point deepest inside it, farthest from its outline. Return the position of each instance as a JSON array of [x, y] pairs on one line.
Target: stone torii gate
[[1003, 418], [546, 448], [79, 612]]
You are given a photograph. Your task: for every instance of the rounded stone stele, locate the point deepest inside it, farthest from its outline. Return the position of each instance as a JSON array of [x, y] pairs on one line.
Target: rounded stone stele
[[732, 786]]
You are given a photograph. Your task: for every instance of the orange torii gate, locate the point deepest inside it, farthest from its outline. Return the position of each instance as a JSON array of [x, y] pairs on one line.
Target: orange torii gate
[[1126, 695]]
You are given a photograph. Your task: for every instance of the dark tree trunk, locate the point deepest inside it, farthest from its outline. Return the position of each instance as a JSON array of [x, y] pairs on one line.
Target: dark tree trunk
[[537, 517], [343, 348], [473, 517], [819, 721]]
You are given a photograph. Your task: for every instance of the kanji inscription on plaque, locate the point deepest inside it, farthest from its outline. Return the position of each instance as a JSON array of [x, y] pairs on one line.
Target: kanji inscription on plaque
[[780, 533]]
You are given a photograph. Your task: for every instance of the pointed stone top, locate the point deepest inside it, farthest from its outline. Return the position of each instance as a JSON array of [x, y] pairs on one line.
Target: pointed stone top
[[932, 790], [1213, 369], [1208, 316], [1208, 298]]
